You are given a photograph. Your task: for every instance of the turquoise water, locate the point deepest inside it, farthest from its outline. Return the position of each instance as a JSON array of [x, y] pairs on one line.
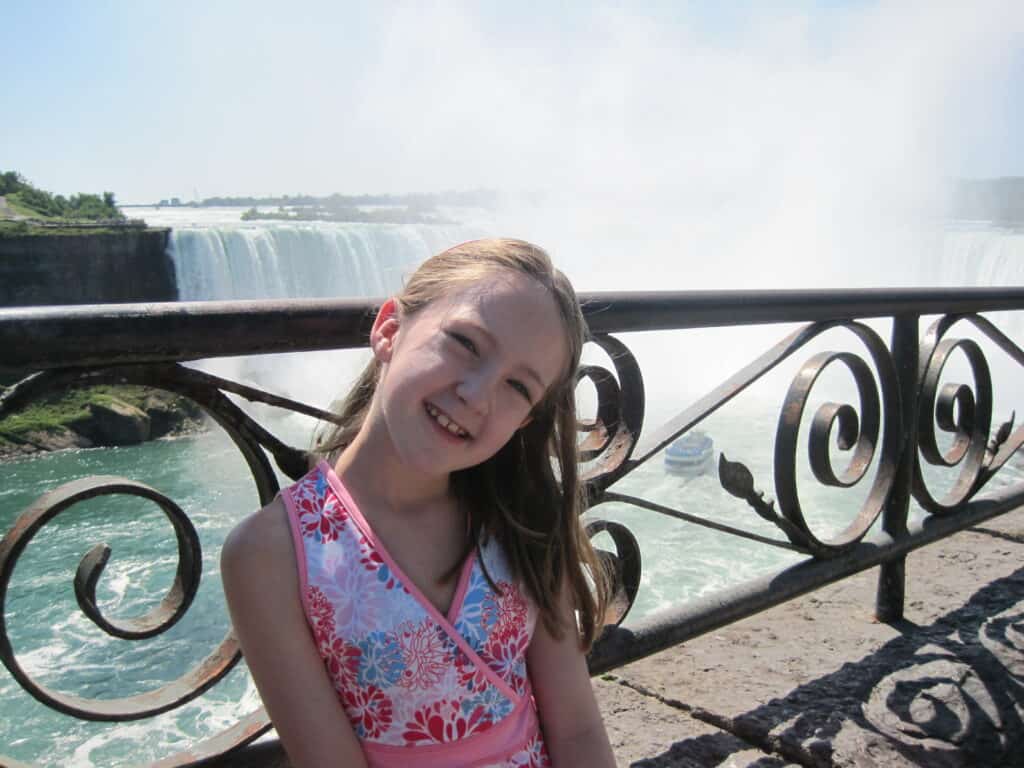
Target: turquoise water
[[61, 648]]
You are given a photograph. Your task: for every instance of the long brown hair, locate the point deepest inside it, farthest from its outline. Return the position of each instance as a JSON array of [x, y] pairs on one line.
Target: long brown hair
[[528, 494]]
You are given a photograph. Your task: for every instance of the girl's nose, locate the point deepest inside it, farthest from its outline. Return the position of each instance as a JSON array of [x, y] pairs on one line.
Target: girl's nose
[[474, 389]]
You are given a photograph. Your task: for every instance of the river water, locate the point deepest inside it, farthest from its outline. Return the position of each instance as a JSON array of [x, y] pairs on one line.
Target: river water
[[205, 475]]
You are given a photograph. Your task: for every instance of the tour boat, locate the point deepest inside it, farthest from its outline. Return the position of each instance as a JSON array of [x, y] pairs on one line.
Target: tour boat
[[692, 454]]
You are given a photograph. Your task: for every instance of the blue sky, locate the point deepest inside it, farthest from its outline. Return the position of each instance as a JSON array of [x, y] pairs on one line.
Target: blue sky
[[154, 100]]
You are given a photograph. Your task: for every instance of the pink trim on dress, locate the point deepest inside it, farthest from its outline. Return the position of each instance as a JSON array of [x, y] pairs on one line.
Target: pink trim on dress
[[300, 550], [460, 589], [492, 746]]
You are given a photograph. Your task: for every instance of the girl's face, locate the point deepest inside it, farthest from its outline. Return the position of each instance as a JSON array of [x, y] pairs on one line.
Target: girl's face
[[460, 376]]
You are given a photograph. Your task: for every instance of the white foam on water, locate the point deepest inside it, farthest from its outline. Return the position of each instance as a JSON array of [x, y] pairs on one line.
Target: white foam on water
[[42, 661]]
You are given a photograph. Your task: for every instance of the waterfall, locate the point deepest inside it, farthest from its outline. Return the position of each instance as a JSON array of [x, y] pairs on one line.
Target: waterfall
[[983, 255], [277, 261], [224, 259], [980, 255]]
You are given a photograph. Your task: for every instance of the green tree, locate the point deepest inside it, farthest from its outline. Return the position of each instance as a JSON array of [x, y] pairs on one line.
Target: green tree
[[80, 206], [11, 181]]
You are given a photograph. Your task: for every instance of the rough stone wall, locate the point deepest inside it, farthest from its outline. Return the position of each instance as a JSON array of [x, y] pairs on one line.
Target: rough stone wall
[[130, 266]]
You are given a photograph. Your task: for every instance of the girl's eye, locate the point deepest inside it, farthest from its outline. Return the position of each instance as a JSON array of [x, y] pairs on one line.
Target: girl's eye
[[522, 389], [463, 341]]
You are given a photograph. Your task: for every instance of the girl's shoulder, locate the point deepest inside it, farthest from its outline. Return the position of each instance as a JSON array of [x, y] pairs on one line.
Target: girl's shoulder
[[263, 540], [267, 532]]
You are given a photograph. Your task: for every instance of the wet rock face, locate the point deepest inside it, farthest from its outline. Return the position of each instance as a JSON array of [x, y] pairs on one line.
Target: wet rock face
[[112, 422], [120, 423], [115, 424], [171, 415], [56, 440]]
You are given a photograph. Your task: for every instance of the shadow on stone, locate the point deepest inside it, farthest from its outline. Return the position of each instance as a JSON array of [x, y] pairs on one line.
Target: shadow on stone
[[705, 750], [1014, 537], [947, 694]]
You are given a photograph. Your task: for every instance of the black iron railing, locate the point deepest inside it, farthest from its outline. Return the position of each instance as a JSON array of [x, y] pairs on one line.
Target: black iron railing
[[903, 400]]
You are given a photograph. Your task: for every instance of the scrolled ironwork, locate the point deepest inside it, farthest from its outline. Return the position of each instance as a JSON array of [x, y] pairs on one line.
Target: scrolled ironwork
[[853, 432], [738, 480], [186, 579], [624, 566], [606, 420], [857, 436], [613, 435], [252, 440], [963, 412], [171, 608]]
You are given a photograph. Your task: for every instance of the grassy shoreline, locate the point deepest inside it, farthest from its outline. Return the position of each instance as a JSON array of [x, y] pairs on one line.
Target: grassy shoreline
[[97, 416]]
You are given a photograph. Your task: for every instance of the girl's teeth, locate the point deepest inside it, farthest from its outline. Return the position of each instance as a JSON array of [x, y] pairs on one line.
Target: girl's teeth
[[445, 422]]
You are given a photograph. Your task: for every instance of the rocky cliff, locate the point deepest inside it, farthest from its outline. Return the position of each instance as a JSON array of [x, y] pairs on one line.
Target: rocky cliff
[[98, 417], [126, 266]]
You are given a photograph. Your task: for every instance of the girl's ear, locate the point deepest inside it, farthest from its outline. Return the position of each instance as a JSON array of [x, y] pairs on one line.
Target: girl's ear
[[385, 327]]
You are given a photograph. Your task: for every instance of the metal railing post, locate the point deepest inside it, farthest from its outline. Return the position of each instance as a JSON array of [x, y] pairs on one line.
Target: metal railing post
[[892, 575]]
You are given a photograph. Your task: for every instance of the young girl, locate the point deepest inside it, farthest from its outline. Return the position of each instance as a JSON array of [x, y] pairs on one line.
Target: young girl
[[424, 596]]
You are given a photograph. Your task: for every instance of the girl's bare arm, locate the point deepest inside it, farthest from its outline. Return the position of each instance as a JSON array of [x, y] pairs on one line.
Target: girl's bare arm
[[262, 588], [573, 730]]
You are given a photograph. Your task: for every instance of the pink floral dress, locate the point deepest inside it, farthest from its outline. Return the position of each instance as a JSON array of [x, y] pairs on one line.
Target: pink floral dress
[[420, 689]]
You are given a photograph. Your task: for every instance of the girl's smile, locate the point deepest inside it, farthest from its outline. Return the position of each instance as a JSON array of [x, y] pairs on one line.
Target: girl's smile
[[446, 423]]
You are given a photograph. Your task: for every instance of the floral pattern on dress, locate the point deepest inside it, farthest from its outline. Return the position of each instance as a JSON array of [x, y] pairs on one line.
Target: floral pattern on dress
[[369, 710], [425, 655], [471, 675], [322, 516], [352, 617], [444, 721], [505, 653], [504, 611], [470, 622], [405, 676], [505, 614], [534, 756], [373, 561], [493, 701], [321, 614], [342, 662], [380, 662]]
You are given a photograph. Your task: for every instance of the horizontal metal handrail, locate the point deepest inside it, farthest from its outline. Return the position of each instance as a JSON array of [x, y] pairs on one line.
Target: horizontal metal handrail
[[53, 337], [678, 624]]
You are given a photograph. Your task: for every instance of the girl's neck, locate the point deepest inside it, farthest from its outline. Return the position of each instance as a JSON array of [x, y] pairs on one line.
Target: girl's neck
[[370, 464]]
